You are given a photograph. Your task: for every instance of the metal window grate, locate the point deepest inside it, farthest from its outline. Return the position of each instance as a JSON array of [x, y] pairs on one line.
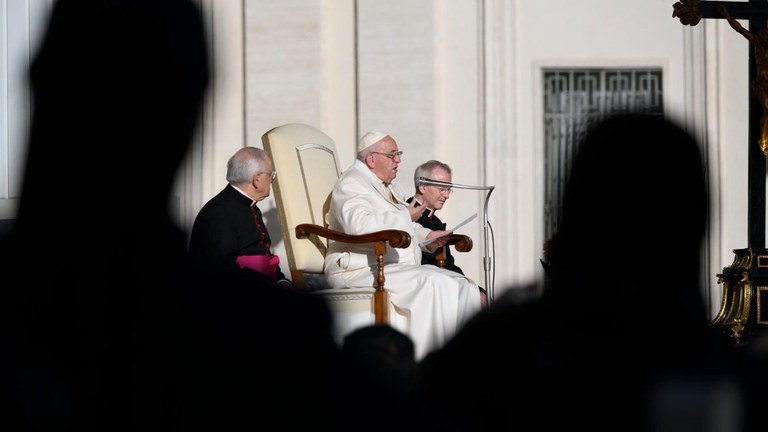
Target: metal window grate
[[575, 99]]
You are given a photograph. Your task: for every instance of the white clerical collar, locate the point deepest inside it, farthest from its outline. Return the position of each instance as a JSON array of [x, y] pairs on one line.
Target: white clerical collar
[[253, 202], [429, 211]]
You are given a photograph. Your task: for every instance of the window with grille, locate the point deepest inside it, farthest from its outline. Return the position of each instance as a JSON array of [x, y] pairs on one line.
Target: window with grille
[[576, 98]]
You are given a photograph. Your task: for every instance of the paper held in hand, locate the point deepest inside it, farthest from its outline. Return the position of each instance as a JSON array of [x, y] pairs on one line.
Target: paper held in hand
[[464, 222]]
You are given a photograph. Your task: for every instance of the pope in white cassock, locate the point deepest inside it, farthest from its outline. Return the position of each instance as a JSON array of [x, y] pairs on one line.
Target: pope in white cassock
[[426, 302]]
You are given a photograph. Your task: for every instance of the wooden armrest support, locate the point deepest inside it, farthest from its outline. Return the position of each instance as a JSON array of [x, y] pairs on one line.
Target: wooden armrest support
[[460, 242], [395, 238]]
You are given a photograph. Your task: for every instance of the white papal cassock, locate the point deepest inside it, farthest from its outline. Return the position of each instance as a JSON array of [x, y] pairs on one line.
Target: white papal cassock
[[427, 303]]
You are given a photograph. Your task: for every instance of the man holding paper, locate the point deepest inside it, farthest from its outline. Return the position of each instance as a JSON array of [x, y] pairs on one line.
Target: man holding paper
[[427, 303], [429, 199]]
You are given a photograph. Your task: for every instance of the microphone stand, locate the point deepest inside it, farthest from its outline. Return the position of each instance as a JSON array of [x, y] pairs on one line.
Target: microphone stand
[[489, 285]]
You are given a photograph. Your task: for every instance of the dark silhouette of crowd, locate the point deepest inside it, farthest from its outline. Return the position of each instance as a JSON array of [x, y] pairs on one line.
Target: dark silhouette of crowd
[[619, 339], [379, 366], [107, 325]]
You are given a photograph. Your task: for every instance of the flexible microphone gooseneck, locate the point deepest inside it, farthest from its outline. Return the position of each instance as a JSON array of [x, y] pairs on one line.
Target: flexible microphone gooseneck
[[489, 285], [429, 182]]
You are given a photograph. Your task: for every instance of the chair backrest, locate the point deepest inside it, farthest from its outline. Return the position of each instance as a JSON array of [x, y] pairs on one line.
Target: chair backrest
[[307, 169]]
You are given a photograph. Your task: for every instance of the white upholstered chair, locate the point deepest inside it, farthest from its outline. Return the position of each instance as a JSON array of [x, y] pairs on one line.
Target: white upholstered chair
[[307, 168]]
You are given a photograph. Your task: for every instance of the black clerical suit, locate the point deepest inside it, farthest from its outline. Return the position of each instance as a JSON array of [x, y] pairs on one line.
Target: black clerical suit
[[229, 225], [429, 219]]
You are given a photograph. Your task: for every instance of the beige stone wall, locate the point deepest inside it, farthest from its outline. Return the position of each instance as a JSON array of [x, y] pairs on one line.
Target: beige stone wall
[[455, 80]]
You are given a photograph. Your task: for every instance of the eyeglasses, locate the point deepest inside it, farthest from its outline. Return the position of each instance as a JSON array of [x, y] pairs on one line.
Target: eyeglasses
[[273, 174], [440, 189], [390, 155]]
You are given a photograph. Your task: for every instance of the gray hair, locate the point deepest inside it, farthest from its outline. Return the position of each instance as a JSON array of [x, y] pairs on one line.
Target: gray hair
[[425, 170], [362, 154], [244, 164]]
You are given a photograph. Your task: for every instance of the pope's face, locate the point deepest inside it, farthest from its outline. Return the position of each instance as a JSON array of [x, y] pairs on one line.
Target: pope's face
[[383, 160]]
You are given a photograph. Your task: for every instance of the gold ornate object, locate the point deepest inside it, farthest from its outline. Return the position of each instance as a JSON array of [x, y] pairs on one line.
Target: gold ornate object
[[736, 333], [738, 311], [687, 11], [759, 85], [734, 295]]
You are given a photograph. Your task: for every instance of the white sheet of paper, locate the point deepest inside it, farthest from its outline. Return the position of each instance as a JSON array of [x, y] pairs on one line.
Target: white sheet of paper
[[461, 224]]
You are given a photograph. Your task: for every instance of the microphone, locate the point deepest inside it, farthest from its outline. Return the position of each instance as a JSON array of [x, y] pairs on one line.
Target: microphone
[[487, 225], [429, 182]]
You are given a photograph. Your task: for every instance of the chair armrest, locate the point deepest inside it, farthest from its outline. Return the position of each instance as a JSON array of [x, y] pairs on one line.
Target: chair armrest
[[460, 242], [395, 238]]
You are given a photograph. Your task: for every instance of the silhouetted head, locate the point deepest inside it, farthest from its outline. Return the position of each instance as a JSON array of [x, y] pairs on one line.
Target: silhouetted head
[[117, 89], [381, 350], [633, 218]]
